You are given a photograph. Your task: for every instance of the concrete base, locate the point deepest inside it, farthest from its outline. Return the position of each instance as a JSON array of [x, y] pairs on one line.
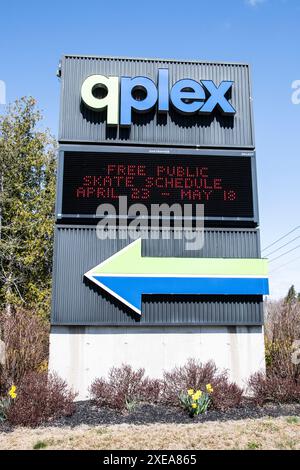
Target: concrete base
[[81, 354]]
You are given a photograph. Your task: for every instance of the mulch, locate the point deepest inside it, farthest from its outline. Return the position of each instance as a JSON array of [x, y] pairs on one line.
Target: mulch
[[89, 414]]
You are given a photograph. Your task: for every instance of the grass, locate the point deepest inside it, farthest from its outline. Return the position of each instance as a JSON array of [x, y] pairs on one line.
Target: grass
[[293, 420], [40, 445], [264, 433], [253, 446]]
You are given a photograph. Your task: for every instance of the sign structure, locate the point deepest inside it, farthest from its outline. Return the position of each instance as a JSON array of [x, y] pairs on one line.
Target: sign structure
[[157, 248], [156, 134], [162, 117]]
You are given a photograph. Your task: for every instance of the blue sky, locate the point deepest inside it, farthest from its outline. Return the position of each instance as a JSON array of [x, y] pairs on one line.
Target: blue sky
[[265, 33]]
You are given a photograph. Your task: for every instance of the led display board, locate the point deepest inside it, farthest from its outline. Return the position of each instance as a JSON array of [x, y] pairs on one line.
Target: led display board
[[222, 183]]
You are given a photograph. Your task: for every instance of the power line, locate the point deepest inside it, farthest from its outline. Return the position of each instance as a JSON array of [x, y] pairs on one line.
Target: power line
[[282, 246], [281, 238], [285, 253], [283, 265]]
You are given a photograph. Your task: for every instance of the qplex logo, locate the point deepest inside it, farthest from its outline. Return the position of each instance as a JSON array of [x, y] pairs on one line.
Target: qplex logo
[[122, 95]]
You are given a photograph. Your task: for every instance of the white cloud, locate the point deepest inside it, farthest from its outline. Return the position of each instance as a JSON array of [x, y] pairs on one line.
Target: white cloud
[[254, 3]]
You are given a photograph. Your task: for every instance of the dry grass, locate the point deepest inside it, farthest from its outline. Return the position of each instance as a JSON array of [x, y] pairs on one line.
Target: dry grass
[[267, 433]]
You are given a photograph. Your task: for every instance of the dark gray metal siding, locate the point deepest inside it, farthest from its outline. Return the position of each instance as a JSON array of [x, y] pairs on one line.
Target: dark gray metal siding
[[77, 302], [77, 124], [218, 243]]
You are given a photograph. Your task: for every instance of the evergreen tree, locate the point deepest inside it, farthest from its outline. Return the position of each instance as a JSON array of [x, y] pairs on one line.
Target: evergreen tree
[[291, 295], [27, 194]]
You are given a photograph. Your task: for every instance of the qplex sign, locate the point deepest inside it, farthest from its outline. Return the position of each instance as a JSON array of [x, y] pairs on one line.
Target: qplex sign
[[122, 95]]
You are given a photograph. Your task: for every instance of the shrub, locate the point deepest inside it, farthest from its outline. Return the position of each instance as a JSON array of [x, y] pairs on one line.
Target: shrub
[[40, 398], [281, 383], [273, 388], [124, 387], [195, 375], [282, 328], [26, 339]]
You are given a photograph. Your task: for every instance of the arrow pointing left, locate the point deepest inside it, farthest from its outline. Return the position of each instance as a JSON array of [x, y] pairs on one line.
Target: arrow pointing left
[[127, 275]]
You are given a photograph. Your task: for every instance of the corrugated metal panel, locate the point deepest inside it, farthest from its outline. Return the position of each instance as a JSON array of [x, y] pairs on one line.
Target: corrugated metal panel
[[217, 243], [211, 310], [76, 301], [78, 124]]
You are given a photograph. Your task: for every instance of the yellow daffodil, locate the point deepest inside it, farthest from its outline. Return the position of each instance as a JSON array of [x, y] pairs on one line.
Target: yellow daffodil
[[194, 405], [12, 392], [197, 395], [190, 391], [209, 388]]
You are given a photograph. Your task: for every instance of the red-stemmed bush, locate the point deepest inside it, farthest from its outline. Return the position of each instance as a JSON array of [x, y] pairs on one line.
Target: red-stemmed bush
[[124, 387], [281, 382], [41, 398], [26, 339], [273, 388], [195, 375]]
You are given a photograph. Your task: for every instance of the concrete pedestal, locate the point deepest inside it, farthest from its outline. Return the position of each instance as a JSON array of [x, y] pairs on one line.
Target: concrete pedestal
[[81, 354]]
